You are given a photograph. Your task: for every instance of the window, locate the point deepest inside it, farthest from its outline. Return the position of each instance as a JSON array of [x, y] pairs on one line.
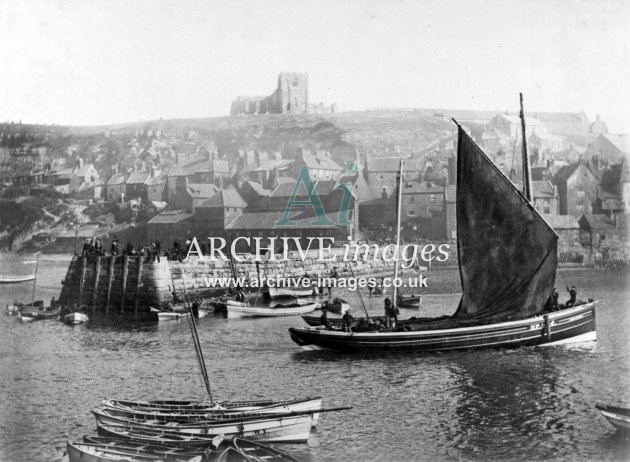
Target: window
[[602, 237], [380, 177], [432, 198], [295, 83], [433, 211], [411, 213], [412, 199], [409, 185]]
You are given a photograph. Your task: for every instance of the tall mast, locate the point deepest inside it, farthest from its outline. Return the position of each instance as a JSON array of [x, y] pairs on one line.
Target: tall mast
[[398, 206], [527, 176]]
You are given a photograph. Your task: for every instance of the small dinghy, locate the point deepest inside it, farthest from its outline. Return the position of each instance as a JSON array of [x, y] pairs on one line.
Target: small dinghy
[[242, 310], [336, 305], [409, 301], [16, 279], [257, 451], [75, 318], [161, 450], [170, 315], [618, 415], [82, 452]]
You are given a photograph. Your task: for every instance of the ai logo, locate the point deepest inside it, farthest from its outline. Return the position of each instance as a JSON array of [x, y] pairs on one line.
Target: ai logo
[[314, 201]]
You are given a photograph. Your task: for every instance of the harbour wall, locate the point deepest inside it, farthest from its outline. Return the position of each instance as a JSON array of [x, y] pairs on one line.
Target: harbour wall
[[131, 284]]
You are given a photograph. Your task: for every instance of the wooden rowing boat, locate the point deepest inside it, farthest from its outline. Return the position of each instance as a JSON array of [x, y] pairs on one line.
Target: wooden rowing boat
[[16, 279], [409, 301], [618, 415], [155, 436], [242, 310], [75, 318], [219, 409], [255, 451], [282, 427], [38, 315], [170, 315], [164, 450], [88, 452], [336, 305]]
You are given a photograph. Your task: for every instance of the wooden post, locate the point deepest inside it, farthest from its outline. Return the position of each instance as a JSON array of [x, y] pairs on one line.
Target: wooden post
[[82, 281], [124, 282], [110, 278], [138, 282], [97, 276]]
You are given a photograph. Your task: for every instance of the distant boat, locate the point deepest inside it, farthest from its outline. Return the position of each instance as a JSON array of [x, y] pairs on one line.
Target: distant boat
[[618, 415], [16, 279], [336, 305], [242, 310], [75, 318], [409, 301], [170, 315], [277, 292]]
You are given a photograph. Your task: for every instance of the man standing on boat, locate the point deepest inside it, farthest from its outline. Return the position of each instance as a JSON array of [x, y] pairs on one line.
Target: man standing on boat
[[573, 294], [347, 321], [324, 321], [391, 313]]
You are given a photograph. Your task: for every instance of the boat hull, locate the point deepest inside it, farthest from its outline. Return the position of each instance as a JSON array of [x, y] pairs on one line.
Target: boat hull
[[577, 323], [130, 408], [242, 311], [618, 416], [277, 292], [279, 429], [16, 279], [73, 319]]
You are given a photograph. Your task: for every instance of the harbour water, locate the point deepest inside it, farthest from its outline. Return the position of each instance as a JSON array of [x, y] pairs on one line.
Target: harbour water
[[522, 404]]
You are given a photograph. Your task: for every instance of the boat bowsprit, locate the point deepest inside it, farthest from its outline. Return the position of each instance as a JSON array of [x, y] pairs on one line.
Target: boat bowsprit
[[616, 414]]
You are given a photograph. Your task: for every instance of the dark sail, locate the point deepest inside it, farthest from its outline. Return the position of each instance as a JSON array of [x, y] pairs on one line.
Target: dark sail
[[507, 252]]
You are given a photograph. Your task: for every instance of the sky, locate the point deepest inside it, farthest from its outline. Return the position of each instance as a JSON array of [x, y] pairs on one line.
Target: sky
[[93, 62]]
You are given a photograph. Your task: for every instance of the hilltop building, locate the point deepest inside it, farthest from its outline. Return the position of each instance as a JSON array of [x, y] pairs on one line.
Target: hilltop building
[[291, 96]]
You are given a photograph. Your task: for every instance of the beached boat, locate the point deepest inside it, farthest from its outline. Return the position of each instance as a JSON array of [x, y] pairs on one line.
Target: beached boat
[[15, 279], [243, 310], [75, 318], [507, 257], [617, 414]]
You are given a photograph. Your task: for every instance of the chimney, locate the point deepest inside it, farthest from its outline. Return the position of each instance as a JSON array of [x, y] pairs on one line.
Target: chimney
[[80, 162]]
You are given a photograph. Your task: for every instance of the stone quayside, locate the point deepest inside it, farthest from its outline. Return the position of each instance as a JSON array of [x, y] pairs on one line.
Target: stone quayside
[[130, 284]]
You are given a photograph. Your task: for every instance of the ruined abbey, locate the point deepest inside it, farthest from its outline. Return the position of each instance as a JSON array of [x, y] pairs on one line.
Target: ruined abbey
[[290, 97]]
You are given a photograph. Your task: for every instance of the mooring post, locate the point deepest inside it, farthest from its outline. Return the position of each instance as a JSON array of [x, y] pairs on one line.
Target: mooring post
[[138, 281], [97, 272], [110, 278], [124, 282]]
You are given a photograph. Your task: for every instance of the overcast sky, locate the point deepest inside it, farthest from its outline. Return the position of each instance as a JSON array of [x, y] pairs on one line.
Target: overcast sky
[[98, 62]]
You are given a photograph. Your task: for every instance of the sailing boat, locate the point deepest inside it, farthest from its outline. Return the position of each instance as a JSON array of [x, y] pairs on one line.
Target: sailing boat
[[507, 260]]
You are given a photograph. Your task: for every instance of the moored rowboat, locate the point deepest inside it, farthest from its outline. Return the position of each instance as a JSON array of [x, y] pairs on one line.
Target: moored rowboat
[[618, 415], [241, 310], [87, 452], [192, 409], [257, 451], [75, 318], [16, 279]]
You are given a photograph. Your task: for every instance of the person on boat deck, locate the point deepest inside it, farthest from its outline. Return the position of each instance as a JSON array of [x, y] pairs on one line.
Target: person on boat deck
[[53, 304], [240, 295], [346, 322], [554, 300], [333, 275], [195, 308], [573, 294], [323, 320], [389, 312]]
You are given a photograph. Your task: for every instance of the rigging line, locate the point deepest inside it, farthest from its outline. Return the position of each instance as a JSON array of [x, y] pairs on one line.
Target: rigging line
[[194, 334], [360, 296], [512, 164], [193, 326]]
